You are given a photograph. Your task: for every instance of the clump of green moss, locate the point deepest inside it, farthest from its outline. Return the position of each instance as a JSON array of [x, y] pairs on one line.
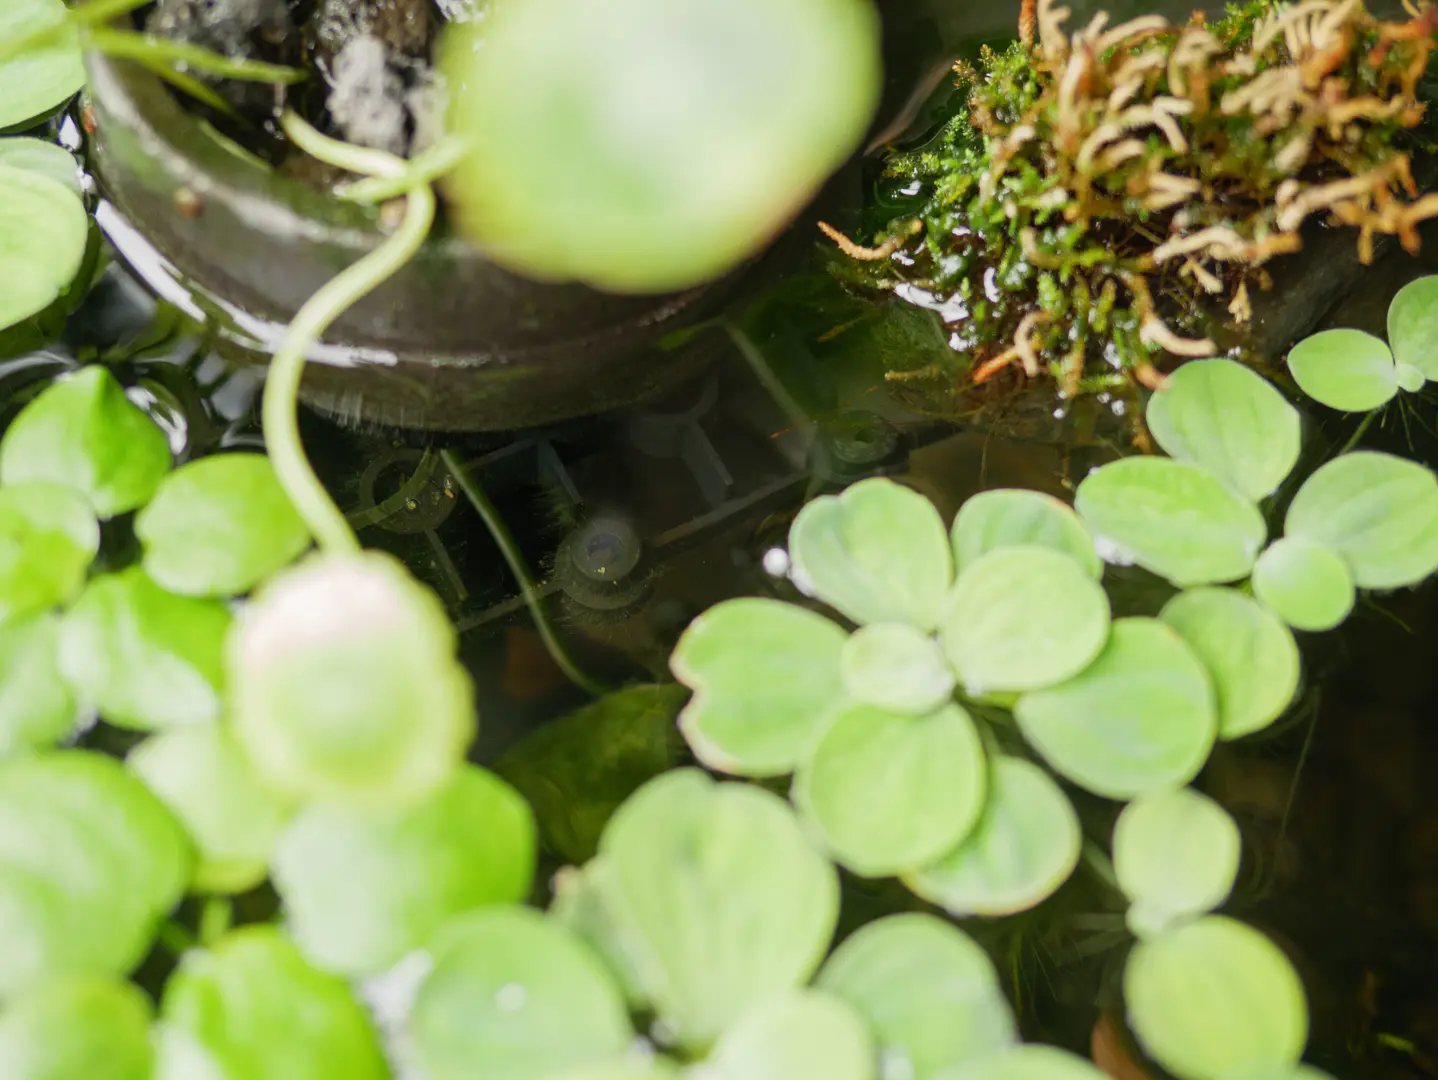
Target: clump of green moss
[[1098, 191]]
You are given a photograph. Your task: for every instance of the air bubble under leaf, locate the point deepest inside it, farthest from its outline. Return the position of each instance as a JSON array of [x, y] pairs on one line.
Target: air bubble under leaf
[[145, 658], [82, 432], [1011, 517], [930, 994], [219, 526], [48, 539], [514, 994], [251, 1006], [1172, 518], [1175, 855], [1249, 653], [344, 685], [1305, 584], [889, 793], [37, 708], [1142, 717], [1229, 420], [1024, 847], [1379, 512], [720, 895], [211, 788], [797, 1033], [896, 667], [40, 79], [364, 887], [1023, 617], [1413, 325], [876, 553], [766, 681], [78, 1029], [1214, 996], [1344, 369]]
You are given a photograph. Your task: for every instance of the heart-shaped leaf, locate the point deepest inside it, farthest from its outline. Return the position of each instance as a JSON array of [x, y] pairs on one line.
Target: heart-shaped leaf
[[1344, 369], [796, 1033], [251, 1006], [1142, 717], [876, 553], [1172, 518], [1020, 618], [1016, 517], [895, 667], [1229, 420], [82, 432], [344, 686], [42, 157], [363, 887], [36, 707], [930, 995], [1305, 584], [200, 773], [1413, 325], [766, 681], [1175, 855], [721, 897], [73, 1029], [1249, 653], [41, 78], [145, 658], [586, 901], [890, 793], [219, 526], [513, 994], [1379, 512], [48, 538], [1214, 996], [1024, 847]]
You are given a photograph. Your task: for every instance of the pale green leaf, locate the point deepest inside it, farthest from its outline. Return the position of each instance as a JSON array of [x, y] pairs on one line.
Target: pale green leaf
[[1413, 325], [1344, 369], [42, 157], [1011, 517], [40, 79], [1175, 855], [796, 1033], [44, 230], [77, 1029], [895, 667], [37, 709], [48, 538], [1305, 584], [1030, 1062]]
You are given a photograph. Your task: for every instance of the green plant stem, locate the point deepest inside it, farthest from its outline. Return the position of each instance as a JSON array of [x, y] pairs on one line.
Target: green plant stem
[[279, 413], [424, 168], [131, 45], [1357, 433], [489, 513], [175, 937], [216, 918], [187, 84]]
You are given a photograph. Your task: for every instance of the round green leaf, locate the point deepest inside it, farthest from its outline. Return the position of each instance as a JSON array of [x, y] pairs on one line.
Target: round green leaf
[[1014, 517], [83, 433], [797, 1033], [48, 538], [42, 157], [1230, 420], [77, 1029], [1379, 512], [1344, 369], [1175, 854], [1305, 584], [1020, 618], [39, 79], [36, 707], [514, 995], [1214, 996], [210, 786], [1172, 518], [1413, 325], [766, 681], [44, 230], [645, 122], [930, 995], [876, 553], [1142, 717], [1031, 1062], [219, 526], [892, 666], [1250, 655], [145, 658], [252, 1007], [721, 899], [363, 887], [344, 685], [1279, 1072], [586, 902], [889, 793], [1025, 846]]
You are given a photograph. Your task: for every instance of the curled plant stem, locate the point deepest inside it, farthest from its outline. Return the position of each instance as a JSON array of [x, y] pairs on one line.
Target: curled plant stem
[[280, 420], [489, 513], [150, 47], [424, 168]]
